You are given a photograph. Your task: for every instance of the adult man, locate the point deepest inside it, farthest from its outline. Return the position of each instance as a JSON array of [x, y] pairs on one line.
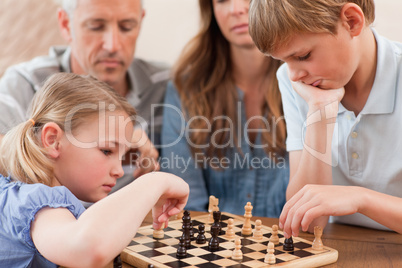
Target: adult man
[[102, 35]]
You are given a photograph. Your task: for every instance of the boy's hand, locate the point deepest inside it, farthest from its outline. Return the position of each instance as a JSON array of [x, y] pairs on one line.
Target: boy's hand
[[171, 202], [317, 97], [314, 201]]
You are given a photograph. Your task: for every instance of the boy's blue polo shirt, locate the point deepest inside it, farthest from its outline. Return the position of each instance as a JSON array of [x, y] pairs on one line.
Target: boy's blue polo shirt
[[366, 149]]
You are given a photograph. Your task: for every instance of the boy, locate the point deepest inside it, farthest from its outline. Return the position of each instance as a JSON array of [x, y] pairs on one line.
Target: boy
[[341, 91]]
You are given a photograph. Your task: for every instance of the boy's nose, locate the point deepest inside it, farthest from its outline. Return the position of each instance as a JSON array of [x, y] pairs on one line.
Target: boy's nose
[[296, 74]]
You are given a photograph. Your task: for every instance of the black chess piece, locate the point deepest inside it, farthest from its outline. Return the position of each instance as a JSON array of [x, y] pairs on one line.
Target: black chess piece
[[186, 229], [217, 221], [151, 266], [181, 250], [214, 241], [117, 262], [288, 244], [201, 239], [191, 233]]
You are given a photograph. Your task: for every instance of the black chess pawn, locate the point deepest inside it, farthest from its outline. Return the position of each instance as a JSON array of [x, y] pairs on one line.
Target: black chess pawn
[[288, 244], [217, 221], [214, 241], [191, 233], [181, 250], [117, 262], [201, 239]]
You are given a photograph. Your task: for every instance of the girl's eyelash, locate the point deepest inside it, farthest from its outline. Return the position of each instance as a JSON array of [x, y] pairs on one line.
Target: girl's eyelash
[[106, 152], [304, 57]]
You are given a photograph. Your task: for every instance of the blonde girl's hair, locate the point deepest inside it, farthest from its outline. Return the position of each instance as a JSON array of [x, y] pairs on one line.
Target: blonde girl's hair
[[273, 22], [22, 155], [204, 79]]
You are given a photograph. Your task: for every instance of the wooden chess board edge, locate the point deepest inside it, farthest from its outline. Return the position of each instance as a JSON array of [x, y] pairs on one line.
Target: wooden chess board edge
[[137, 260], [312, 261]]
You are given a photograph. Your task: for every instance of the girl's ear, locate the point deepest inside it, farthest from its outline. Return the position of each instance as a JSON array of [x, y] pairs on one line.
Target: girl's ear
[[353, 19], [50, 137]]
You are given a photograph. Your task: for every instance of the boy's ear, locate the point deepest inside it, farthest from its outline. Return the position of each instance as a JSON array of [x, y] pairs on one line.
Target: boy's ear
[[352, 17], [64, 24], [50, 136]]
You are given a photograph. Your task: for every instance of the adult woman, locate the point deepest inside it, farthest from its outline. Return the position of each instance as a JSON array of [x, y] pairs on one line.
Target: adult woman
[[233, 143]]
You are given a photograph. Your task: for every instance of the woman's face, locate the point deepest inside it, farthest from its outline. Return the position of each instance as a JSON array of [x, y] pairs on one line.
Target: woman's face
[[232, 19]]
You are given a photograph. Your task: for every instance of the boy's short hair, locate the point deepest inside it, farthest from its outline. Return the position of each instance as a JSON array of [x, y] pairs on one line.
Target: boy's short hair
[[272, 22]]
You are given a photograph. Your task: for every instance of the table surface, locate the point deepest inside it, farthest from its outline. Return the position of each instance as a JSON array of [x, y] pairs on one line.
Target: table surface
[[357, 246]]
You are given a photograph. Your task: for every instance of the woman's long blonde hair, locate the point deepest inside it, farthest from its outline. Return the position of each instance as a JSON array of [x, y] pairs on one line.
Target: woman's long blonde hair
[[203, 78], [22, 155]]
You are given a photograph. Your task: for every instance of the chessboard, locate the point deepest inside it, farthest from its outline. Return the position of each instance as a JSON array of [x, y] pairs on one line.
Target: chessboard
[[146, 251]]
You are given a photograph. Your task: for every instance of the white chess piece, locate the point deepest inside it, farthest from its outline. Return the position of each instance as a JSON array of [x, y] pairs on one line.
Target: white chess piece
[[270, 257], [230, 233], [317, 243], [237, 253], [274, 236], [257, 233]]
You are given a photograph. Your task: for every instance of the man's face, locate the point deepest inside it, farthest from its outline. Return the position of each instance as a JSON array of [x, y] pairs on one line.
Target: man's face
[[320, 59], [103, 37]]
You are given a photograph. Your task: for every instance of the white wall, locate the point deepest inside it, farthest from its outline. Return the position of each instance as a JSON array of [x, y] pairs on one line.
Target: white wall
[[169, 24], [167, 27]]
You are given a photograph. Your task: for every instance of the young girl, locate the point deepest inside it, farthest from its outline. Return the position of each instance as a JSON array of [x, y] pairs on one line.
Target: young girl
[[71, 149]]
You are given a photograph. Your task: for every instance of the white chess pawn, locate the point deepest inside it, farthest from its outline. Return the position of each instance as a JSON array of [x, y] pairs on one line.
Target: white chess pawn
[[270, 257], [159, 233], [237, 253], [257, 233], [317, 243], [274, 236], [230, 233]]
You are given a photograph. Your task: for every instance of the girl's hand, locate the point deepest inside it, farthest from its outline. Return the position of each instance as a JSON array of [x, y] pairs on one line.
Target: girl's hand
[[171, 202], [314, 201]]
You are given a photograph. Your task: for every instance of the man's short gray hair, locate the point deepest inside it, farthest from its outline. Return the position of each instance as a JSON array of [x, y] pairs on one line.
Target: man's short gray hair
[[70, 5]]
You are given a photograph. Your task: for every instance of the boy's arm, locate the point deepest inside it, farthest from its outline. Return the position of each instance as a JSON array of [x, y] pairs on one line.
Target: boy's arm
[[105, 228], [315, 201], [313, 164]]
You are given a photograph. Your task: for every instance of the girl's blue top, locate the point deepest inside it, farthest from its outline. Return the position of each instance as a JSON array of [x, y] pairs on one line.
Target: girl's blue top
[[19, 204]]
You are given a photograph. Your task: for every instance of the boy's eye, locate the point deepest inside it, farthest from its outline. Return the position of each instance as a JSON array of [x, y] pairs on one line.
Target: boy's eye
[[305, 57], [106, 152]]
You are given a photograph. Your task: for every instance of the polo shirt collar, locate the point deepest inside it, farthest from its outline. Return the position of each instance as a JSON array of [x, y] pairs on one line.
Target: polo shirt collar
[[383, 93]]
